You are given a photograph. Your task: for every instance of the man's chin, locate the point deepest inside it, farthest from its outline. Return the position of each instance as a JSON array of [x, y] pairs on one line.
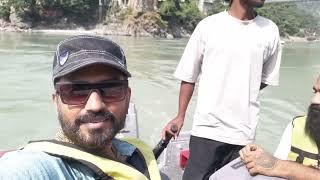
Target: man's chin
[[96, 139], [93, 146], [257, 4]]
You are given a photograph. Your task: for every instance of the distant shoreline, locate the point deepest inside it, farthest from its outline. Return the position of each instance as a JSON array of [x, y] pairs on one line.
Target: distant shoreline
[[114, 29], [62, 31], [293, 39], [97, 31]]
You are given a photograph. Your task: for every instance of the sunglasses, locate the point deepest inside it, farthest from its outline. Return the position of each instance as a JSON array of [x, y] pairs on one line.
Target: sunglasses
[[77, 93]]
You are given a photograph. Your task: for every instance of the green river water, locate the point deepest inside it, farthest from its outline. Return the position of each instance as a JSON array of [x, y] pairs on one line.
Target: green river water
[[26, 111]]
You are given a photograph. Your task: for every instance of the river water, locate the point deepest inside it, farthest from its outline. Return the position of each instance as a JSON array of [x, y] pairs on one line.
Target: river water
[[26, 111]]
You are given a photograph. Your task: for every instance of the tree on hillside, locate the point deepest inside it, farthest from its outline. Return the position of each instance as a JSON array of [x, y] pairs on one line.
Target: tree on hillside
[[136, 5], [290, 19]]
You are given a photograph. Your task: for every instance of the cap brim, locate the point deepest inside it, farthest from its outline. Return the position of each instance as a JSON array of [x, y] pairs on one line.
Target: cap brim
[[72, 67]]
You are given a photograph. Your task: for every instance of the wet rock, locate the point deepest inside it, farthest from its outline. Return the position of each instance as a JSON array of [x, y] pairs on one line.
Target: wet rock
[[170, 36], [311, 38], [4, 23], [148, 24]]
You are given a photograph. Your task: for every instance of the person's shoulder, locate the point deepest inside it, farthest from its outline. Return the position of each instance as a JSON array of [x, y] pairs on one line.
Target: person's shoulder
[[210, 22], [29, 163], [125, 146], [214, 17], [27, 155], [267, 22], [301, 119]]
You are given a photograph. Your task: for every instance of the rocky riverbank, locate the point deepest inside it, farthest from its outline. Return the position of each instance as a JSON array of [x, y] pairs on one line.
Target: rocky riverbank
[[292, 39], [136, 28], [146, 25]]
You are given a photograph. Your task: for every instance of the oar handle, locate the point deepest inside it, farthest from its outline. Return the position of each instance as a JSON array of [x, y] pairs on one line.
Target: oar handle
[[162, 144]]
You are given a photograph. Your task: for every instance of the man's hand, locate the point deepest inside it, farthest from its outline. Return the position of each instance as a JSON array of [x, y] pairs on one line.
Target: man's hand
[[186, 91], [178, 121], [258, 161]]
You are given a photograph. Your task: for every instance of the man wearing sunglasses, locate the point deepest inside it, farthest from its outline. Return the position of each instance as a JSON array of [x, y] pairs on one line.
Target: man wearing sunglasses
[[92, 98]]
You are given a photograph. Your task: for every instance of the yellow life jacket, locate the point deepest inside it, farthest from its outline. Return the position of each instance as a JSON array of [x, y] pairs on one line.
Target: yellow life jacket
[[303, 149], [114, 169]]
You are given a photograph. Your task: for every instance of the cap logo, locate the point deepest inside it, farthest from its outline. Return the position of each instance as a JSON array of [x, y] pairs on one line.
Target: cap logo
[[63, 58], [121, 63]]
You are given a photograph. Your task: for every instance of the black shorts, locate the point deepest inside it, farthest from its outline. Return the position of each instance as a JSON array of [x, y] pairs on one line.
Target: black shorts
[[207, 156]]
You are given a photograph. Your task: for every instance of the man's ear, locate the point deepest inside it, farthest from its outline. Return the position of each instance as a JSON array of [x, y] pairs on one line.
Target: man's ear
[[54, 98], [128, 97], [129, 94]]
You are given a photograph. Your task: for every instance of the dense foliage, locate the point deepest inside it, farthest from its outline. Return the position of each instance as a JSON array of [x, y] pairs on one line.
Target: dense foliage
[[79, 10], [290, 17], [189, 15], [4, 12], [185, 13], [19, 5], [218, 6]]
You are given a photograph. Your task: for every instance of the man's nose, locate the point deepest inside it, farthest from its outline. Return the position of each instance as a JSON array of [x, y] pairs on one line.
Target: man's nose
[[95, 102], [316, 98]]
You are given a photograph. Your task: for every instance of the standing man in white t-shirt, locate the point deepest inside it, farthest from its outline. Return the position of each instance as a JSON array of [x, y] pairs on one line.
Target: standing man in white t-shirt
[[237, 53]]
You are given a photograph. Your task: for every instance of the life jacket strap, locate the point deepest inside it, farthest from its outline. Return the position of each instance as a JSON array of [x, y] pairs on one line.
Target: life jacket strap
[[302, 154]]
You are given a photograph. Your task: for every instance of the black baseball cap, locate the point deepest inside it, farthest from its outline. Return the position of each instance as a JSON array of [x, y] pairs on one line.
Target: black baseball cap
[[81, 51]]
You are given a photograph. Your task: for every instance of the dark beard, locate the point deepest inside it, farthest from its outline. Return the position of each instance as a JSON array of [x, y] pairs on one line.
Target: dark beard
[[97, 139], [313, 123], [254, 3]]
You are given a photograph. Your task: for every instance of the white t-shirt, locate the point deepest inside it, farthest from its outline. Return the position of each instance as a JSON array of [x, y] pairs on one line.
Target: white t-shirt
[[233, 58], [284, 146]]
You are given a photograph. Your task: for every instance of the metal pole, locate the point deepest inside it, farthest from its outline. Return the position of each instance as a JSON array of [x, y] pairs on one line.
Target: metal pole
[[100, 10]]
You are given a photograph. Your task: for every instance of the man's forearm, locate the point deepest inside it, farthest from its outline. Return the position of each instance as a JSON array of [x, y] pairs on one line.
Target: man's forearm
[[294, 171], [259, 161], [186, 91]]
